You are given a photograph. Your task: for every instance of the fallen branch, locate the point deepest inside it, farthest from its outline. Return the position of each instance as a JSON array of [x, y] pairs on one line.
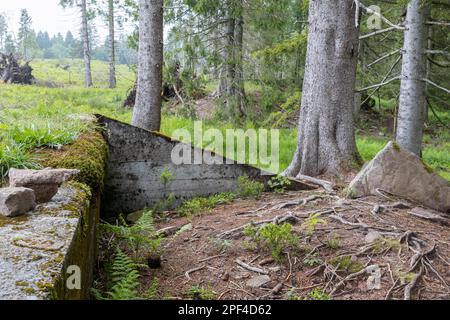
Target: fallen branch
[[249, 267], [348, 278], [187, 273], [211, 258]]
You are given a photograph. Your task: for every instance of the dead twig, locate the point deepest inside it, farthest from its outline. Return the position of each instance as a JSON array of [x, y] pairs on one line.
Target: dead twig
[[187, 273], [251, 268]]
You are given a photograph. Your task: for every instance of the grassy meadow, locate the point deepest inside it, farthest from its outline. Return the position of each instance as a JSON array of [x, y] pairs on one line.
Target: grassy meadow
[[38, 116]]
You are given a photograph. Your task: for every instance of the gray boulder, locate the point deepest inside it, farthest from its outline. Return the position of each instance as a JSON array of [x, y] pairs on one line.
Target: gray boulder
[[45, 183], [258, 281], [16, 201], [402, 173]]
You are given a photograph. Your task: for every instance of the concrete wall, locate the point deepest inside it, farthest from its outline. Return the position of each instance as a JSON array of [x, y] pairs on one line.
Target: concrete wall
[[36, 249], [138, 157]]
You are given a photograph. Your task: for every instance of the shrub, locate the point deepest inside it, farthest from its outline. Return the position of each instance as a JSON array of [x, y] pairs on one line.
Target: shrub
[[249, 188], [309, 225], [278, 184], [277, 238]]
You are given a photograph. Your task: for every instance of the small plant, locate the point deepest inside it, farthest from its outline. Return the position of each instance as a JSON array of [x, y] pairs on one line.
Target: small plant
[[152, 290], [276, 238], [386, 244], [317, 294], [204, 205], [278, 184], [124, 278], [221, 244], [139, 238], [201, 293], [249, 188], [334, 242], [312, 260], [166, 176], [164, 204], [292, 295], [309, 225], [347, 264], [405, 277]]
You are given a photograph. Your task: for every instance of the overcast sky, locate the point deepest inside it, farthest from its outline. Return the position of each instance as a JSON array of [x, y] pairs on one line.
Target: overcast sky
[[46, 15]]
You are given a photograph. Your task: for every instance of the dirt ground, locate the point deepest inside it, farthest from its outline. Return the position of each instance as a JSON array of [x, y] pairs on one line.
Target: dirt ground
[[410, 254]]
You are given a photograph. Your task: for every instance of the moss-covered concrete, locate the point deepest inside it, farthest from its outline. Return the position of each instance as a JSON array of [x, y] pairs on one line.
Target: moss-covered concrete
[[89, 154], [36, 249]]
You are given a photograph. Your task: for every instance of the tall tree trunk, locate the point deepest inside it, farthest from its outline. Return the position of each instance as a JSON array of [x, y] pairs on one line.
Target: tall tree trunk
[[412, 87], [326, 136], [112, 45], [147, 110], [238, 83], [230, 62], [86, 45]]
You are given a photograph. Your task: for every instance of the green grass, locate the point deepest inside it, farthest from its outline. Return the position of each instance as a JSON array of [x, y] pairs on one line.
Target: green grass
[[33, 116], [53, 71]]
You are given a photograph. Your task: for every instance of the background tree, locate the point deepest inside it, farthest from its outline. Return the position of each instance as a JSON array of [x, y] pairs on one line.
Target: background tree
[[147, 110], [24, 36], [85, 16], [414, 71], [3, 31]]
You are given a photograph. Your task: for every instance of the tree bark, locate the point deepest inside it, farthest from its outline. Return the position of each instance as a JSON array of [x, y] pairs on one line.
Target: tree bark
[[412, 87], [238, 83], [230, 62], [147, 110], [86, 45], [326, 136], [112, 45]]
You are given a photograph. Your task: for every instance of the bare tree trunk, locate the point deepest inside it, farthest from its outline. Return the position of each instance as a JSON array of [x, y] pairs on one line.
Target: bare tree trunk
[[112, 46], [326, 136], [147, 110], [239, 89], [230, 62], [412, 88], [86, 45]]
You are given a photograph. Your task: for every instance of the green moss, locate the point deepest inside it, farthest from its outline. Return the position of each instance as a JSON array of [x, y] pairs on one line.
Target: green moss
[[4, 221], [89, 154], [21, 283], [396, 147], [44, 285], [29, 290], [427, 167]]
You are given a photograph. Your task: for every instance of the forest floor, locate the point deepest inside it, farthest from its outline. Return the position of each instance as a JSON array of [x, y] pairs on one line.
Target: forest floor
[[213, 259]]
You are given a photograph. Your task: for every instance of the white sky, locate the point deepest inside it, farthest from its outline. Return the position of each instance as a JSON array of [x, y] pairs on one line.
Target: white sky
[[46, 15]]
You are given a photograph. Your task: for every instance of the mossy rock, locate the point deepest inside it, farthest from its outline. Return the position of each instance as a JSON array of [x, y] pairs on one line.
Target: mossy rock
[[88, 153]]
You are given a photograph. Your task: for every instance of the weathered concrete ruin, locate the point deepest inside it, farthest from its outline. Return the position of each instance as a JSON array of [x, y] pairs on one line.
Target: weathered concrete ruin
[[43, 251], [137, 159]]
